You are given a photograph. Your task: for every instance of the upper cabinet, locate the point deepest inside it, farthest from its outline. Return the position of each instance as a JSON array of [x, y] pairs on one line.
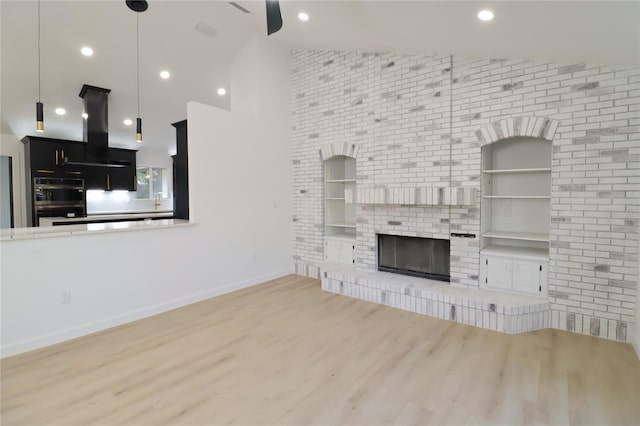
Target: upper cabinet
[[62, 158], [122, 178], [48, 157]]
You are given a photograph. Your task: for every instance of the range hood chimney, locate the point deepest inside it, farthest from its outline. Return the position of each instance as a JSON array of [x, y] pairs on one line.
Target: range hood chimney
[[96, 123]]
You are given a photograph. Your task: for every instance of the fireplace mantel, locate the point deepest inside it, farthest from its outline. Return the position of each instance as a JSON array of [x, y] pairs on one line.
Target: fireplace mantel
[[416, 196]]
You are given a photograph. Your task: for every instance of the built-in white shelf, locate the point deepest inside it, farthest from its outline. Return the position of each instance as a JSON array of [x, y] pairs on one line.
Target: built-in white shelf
[[535, 170], [523, 236], [522, 197], [516, 183], [350, 238], [519, 252], [342, 225], [339, 217]]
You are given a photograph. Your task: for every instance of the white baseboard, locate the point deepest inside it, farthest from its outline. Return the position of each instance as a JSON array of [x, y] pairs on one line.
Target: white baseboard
[[103, 324]]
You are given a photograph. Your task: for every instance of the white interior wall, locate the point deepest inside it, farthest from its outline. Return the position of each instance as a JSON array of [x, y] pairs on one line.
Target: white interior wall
[[240, 187], [11, 146], [258, 87]]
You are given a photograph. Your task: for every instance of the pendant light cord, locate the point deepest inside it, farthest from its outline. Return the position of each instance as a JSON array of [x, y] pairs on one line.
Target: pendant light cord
[[450, 132], [450, 116], [138, 57], [39, 83]]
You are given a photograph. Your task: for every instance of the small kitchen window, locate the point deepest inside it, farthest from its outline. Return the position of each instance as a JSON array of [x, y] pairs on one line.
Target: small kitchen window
[[152, 181]]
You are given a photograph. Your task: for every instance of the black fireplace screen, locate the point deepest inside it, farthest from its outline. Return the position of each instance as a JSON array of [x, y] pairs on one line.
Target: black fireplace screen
[[420, 257]]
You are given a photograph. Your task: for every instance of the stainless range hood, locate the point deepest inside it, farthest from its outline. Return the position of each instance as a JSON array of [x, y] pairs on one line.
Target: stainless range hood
[[96, 128]]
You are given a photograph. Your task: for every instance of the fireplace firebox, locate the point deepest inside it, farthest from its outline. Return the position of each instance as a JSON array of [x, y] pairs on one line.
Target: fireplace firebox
[[418, 257]]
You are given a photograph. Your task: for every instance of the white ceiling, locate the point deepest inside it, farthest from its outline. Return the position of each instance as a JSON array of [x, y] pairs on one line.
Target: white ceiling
[[606, 32]]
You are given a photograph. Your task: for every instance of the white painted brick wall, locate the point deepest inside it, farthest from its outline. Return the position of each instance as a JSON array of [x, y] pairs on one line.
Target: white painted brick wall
[[398, 109]]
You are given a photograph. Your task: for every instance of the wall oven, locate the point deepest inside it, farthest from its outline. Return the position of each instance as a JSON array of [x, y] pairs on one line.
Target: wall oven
[[58, 197]]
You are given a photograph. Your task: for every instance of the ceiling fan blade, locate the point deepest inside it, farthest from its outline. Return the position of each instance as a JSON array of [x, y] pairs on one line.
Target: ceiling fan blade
[[137, 5], [274, 17]]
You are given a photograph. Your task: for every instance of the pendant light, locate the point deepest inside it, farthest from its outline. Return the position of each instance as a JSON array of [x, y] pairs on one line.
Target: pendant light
[[39, 106], [138, 119], [138, 7]]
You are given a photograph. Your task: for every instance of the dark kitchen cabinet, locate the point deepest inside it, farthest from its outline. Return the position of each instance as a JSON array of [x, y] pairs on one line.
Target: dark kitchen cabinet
[[120, 175], [122, 178], [49, 157], [181, 173], [95, 177], [43, 155]]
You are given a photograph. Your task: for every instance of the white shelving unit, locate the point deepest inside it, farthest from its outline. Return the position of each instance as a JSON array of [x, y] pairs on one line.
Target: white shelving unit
[[523, 236], [516, 188], [523, 197], [538, 170], [340, 218]]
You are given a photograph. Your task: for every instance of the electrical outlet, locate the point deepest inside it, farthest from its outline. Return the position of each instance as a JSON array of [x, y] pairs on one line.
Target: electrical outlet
[[65, 297]]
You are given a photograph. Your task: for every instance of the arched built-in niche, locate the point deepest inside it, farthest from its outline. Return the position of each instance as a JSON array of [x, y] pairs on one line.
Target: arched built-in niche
[[534, 127], [339, 165], [515, 206]]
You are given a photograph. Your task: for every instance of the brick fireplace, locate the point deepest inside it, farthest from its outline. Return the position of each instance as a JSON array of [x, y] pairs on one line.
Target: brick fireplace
[[415, 125], [413, 256]]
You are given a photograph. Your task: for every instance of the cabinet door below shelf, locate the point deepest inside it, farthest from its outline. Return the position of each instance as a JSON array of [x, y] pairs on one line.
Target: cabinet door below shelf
[[346, 253], [526, 276], [499, 274], [339, 251]]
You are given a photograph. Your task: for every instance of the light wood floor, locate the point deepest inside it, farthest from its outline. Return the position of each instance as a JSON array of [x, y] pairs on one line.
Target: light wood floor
[[286, 352]]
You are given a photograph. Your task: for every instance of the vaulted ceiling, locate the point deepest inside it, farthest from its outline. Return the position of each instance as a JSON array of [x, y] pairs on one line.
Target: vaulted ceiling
[[604, 32]]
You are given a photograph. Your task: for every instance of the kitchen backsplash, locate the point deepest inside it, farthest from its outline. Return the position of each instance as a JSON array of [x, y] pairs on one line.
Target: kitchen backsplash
[[122, 201]]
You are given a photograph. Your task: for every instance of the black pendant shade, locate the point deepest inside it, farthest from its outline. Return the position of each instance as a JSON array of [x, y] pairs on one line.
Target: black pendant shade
[[39, 117], [39, 106], [139, 130], [274, 17]]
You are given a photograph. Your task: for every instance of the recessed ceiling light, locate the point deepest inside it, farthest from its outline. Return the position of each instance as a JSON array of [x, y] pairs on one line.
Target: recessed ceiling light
[[85, 115], [303, 16], [127, 122], [61, 111], [222, 91], [87, 51], [165, 74], [485, 15]]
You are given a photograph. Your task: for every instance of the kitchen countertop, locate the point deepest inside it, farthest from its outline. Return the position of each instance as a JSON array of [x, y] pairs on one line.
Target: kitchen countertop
[[49, 221], [13, 234]]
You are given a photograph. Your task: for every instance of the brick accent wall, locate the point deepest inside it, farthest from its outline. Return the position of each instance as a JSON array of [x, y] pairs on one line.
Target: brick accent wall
[[417, 121]]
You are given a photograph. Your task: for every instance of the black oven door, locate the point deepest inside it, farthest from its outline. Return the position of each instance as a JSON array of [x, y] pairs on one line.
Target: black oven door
[[58, 197], [57, 191]]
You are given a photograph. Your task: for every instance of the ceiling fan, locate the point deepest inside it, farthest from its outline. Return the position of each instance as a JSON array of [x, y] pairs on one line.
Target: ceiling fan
[[274, 17]]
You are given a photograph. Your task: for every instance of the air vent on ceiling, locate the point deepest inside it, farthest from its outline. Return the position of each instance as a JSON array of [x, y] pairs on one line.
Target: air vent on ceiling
[[205, 29], [240, 8]]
